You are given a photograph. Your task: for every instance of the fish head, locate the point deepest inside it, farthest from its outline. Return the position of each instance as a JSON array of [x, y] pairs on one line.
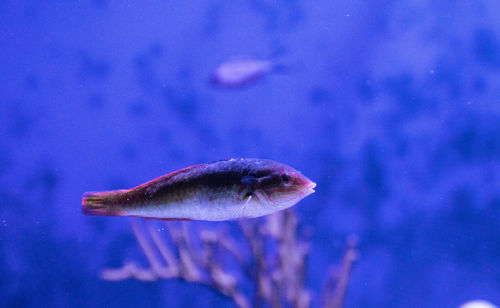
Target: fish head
[[276, 187]]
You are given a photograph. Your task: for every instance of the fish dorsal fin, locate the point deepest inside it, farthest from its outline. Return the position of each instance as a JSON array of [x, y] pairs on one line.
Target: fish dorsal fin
[[152, 185], [177, 172]]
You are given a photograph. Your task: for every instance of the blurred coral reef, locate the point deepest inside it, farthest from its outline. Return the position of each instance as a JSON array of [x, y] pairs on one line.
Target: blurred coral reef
[[273, 263]]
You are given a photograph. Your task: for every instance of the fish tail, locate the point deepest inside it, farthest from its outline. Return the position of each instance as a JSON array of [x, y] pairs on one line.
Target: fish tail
[[100, 203]]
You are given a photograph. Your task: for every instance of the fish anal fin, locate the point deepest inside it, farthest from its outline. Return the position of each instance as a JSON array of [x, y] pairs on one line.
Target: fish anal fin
[[166, 219]]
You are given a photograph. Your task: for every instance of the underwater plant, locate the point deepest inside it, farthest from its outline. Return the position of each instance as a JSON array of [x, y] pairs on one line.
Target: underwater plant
[[269, 271]]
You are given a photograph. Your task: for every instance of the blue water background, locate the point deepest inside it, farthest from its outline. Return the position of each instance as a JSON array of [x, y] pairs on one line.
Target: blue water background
[[392, 107]]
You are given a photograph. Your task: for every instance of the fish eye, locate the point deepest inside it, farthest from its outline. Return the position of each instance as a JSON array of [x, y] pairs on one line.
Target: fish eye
[[285, 177]]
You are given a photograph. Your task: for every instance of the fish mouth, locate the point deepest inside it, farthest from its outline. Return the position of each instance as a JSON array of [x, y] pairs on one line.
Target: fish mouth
[[309, 188], [311, 185]]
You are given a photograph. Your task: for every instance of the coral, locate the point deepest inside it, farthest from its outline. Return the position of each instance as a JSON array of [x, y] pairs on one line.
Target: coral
[[270, 264]]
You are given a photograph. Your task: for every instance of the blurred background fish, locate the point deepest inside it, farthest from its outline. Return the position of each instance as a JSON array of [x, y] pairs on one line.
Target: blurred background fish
[[241, 71]]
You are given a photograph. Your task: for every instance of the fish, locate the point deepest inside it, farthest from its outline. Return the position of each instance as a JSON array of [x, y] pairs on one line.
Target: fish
[[241, 71], [230, 189]]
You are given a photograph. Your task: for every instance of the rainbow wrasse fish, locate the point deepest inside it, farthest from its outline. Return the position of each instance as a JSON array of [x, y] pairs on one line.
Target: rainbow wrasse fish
[[221, 190]]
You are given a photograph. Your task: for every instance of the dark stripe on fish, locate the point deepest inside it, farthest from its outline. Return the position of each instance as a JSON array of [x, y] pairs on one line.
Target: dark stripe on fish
[[217, 177]]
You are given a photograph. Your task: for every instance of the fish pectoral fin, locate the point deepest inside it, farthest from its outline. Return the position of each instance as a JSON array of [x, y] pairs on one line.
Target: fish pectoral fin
[[245, 194], [244, 206]]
